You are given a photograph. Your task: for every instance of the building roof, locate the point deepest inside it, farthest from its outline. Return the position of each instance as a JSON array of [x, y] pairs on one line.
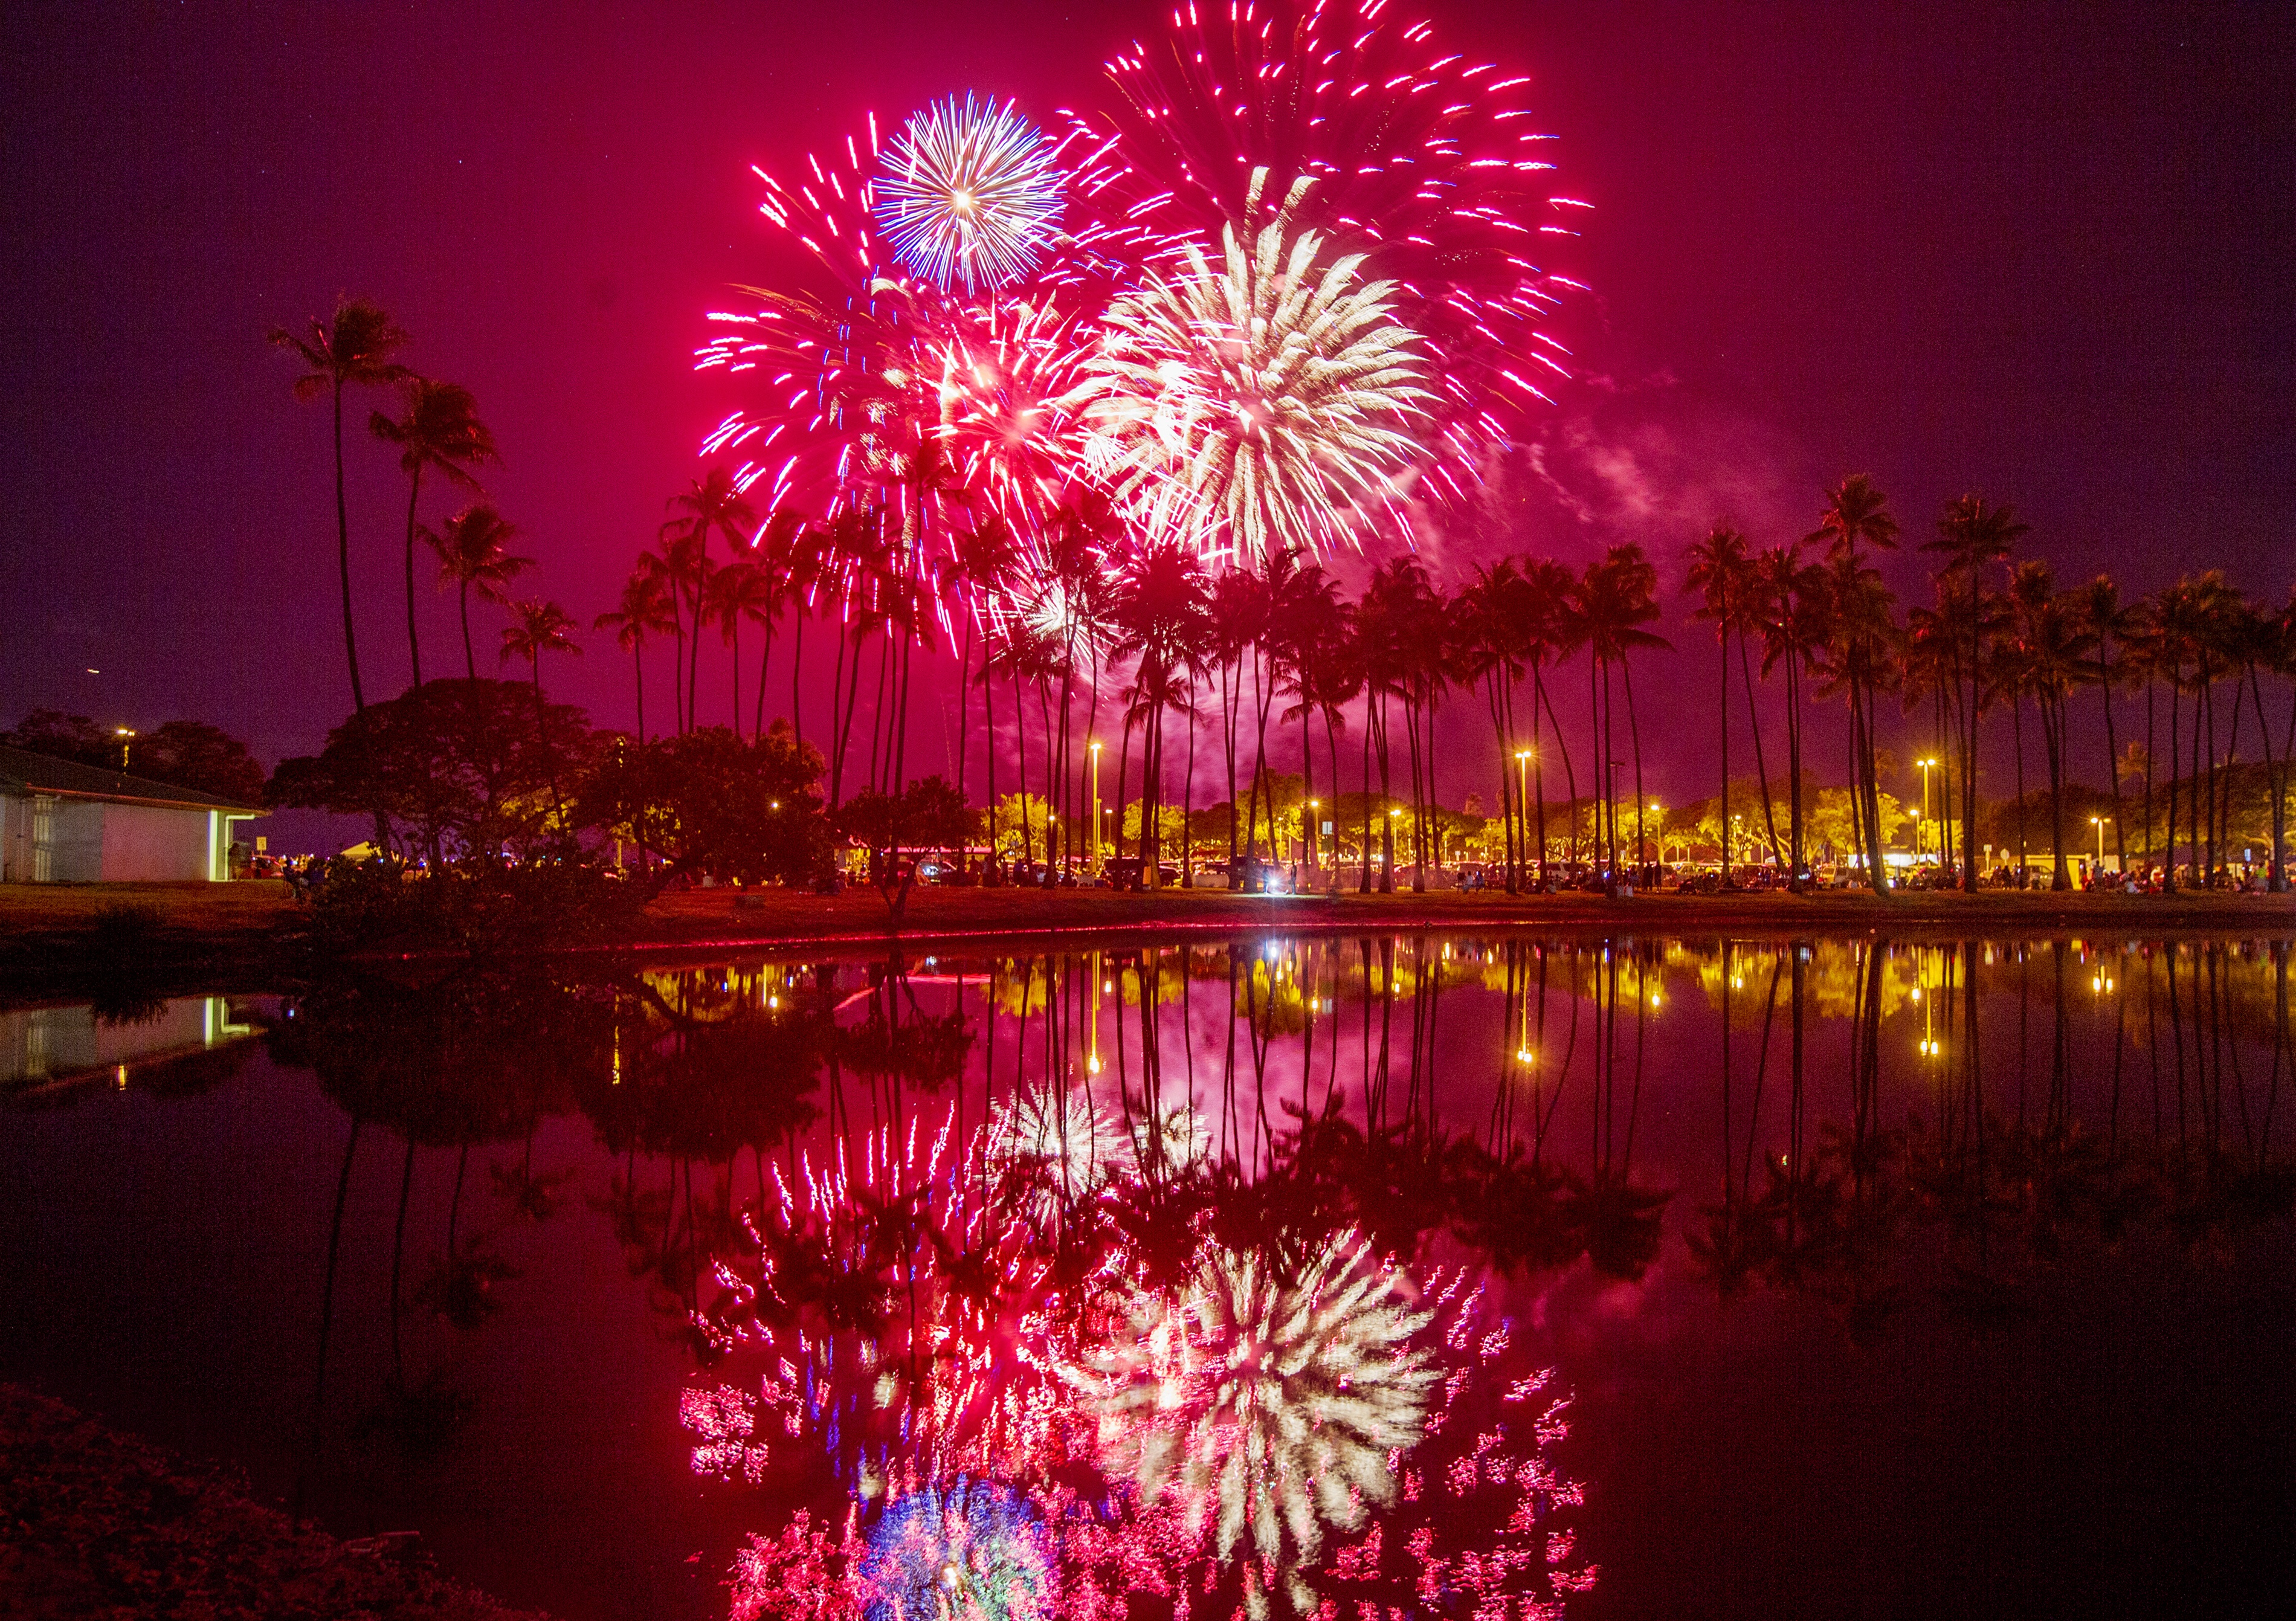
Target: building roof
[[23, 772]]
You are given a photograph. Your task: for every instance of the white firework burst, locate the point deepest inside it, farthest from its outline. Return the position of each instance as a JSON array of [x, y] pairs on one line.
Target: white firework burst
[[1273, 1409], [970, 194], [1265, 401]]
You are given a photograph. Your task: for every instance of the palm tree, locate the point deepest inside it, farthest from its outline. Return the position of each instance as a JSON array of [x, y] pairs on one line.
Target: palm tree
[[1488, 653], [1546, 631], [355, 347], [1972, 537], [1161, 619], [474, 552], [778, 555], [540, 628], [1617, 596], [982, 561], [713, 504], [2110, 626], [2057, 646], [1856, 514], [1797, 623], [643, 612], [739, 591], [1719, 572], [440, 428]]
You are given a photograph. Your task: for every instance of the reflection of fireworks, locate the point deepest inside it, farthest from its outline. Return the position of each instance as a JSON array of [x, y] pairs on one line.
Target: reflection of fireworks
[[1252, 404], [973, 1549], [1058, 1144], [1269, 1407], [968, 194]]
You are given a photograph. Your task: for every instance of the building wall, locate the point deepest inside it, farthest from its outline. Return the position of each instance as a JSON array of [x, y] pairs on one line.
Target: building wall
[[46, 839], [146, 841]]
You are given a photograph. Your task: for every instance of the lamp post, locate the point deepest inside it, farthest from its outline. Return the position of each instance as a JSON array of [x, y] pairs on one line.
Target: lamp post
[[1925, 765], [1314, 808], [127, 736], [1092, 852], [2098, 823], [1523, 813]]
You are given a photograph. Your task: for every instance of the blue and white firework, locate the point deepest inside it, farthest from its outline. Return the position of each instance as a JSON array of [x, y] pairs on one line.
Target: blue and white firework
[[970, 194]]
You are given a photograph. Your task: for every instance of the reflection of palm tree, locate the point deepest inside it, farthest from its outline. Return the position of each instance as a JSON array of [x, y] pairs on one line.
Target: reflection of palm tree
[[355, 347], [440, 428]]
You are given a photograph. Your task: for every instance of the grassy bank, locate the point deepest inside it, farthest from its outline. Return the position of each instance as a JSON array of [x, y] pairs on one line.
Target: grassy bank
[[97, 1523], [48, 931]]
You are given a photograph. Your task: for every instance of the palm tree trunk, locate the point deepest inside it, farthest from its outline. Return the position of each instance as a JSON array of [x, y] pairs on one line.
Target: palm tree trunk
[[470, 658], [638, 668], [343, 554], [413, 648], [765, 662], [1725, 774]]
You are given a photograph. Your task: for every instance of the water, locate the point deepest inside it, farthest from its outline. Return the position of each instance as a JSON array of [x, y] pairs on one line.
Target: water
[[1816, 1278]]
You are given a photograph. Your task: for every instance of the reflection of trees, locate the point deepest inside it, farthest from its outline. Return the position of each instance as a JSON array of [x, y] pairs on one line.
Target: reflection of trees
[[1967, 1200]]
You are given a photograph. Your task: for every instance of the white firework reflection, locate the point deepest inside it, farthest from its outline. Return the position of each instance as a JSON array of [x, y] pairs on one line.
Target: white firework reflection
[[1058, 1146], [1272, 1408]]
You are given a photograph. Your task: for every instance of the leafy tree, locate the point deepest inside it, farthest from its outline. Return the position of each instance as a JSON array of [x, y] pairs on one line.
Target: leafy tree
[[65, 737], [454, 768], [207, 759], [705, 801]]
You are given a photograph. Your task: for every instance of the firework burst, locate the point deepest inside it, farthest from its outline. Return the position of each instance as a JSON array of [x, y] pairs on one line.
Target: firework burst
[[1272, 1409], [1423, 158], [970, 194], [1265, 401]]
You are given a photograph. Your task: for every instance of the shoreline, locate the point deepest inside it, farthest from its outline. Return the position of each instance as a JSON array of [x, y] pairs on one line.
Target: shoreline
[[96, 1521], [230, 931]]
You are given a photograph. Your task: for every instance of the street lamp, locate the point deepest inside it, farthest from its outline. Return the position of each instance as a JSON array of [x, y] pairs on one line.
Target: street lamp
[[1925, 765], [2098, 823], [1092, 850], [127, 736], [1523, 804]]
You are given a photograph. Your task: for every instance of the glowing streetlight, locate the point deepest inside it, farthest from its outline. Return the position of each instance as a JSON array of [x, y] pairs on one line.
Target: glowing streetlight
[[1092, 848], [127, 736], [2098, 823], [1924, 816]]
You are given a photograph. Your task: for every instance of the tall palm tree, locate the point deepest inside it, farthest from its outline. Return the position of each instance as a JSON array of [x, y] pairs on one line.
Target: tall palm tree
[[540, 628], [1856, 514], [1972, 537], [782, 545], [1797, 623], [355, 347], [474, 553], [439, 428], [1719, 573], [1546, 631], [712, 504], [983, 559], [2110, 626], [739, 591], [641, 613], [1161, 617], [1617, 596]]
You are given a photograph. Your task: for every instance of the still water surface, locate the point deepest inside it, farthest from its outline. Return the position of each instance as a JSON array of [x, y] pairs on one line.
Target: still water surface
[[1440, 1275]]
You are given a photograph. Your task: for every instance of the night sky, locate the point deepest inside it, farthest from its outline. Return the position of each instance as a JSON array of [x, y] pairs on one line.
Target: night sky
[[2043, 252]]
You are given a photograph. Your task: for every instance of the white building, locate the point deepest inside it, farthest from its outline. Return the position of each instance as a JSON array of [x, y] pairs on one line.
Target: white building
[[62, 821]]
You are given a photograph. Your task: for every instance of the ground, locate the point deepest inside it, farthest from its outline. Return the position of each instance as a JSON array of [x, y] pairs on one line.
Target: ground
[[97, 1524]]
